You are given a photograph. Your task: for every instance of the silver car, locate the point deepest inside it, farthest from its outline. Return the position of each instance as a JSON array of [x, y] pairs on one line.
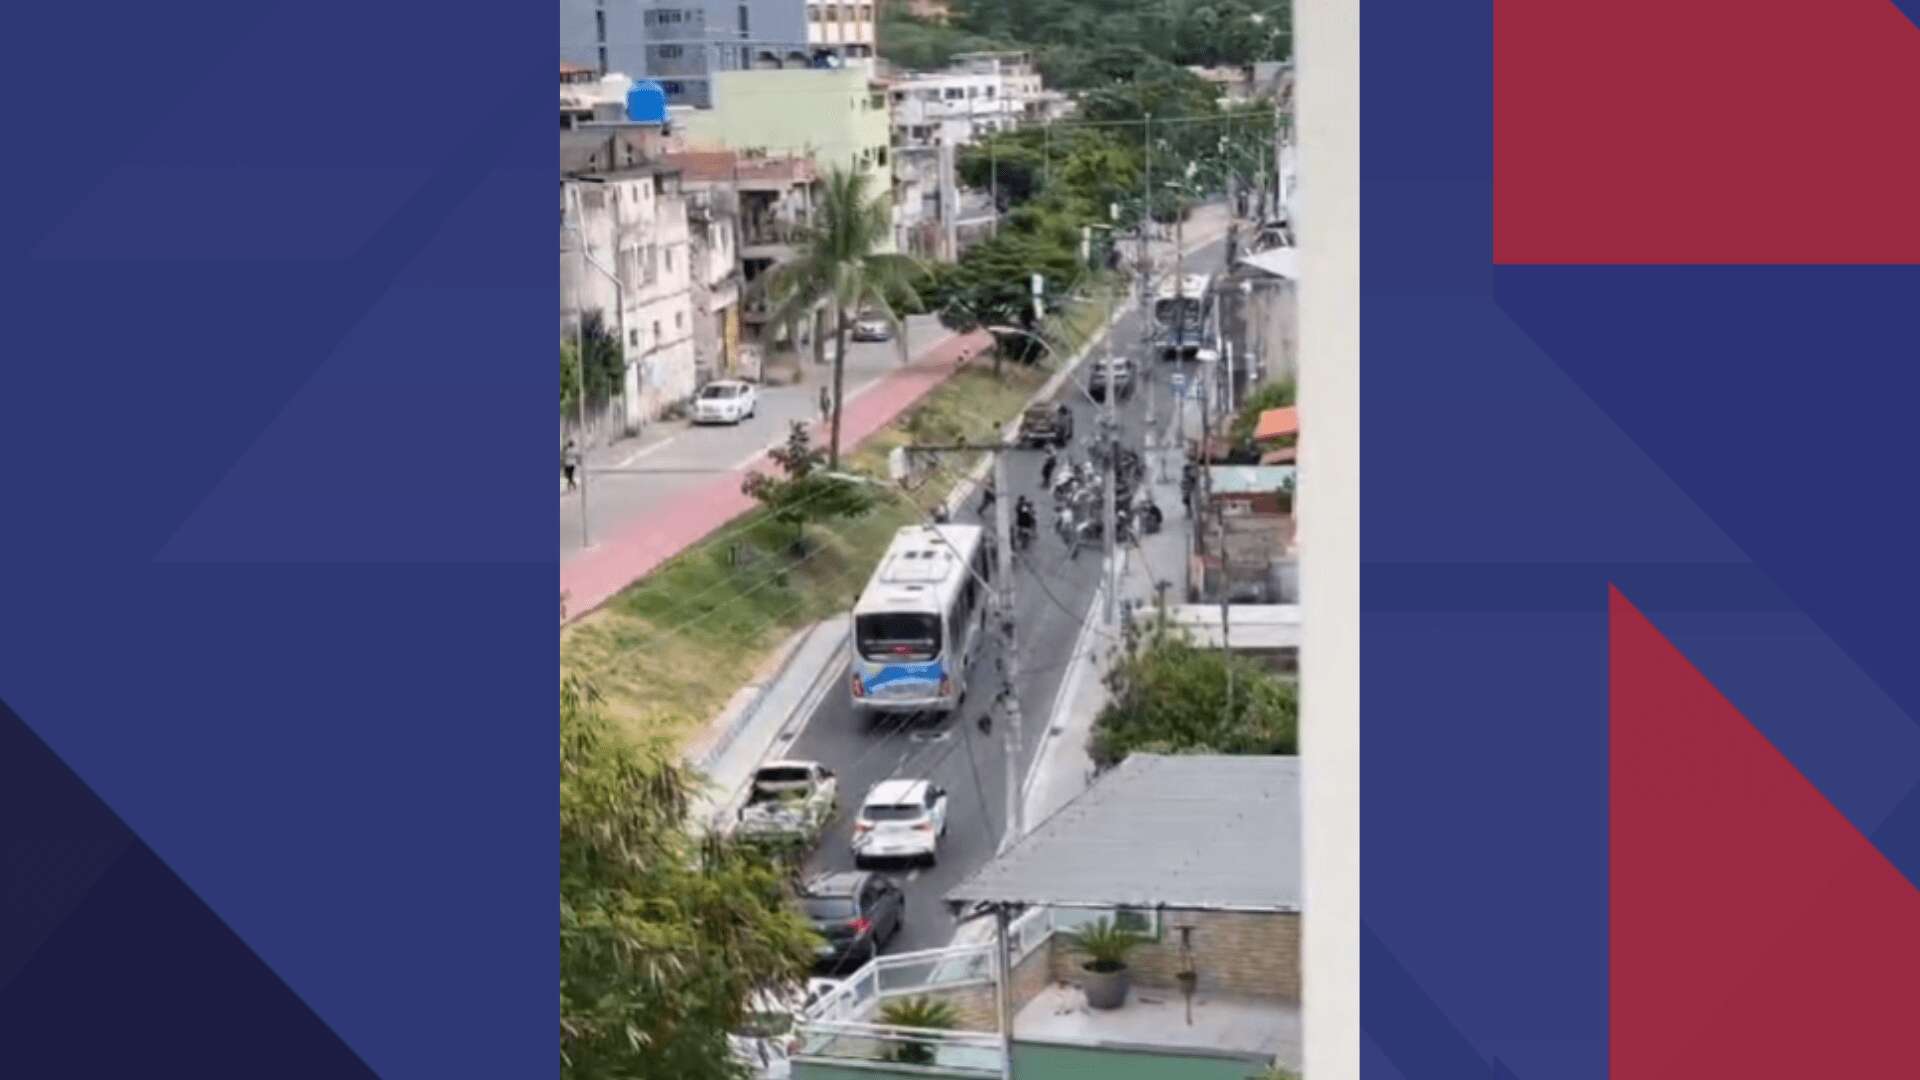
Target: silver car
[[872, 328]]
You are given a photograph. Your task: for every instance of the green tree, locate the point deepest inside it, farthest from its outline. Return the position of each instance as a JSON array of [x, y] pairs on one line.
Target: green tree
[[841, 264], [1275, 395], [805, 492], [569, 378], [1170, 696], [606, 366], [665, 937]]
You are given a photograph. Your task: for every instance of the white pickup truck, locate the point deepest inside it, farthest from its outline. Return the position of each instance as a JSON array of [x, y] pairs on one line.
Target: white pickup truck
[[790, 802]]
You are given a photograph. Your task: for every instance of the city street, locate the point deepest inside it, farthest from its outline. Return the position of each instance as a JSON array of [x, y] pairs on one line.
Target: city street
[[1053, 597], [616, 500]]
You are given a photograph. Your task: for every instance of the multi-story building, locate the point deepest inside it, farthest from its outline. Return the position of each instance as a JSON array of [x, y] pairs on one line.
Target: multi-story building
[[635, 267], [836, 116], [683, 44], [936, 113], [746, 214]]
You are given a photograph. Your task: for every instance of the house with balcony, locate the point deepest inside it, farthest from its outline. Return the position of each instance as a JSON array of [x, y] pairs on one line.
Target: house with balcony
[[1200, 854], [755, 208]]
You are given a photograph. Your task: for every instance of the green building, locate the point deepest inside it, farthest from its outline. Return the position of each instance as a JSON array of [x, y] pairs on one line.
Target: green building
[[835, 115]]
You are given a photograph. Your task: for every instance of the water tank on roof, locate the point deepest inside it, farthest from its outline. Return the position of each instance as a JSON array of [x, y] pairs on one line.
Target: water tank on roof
[[647, 103]]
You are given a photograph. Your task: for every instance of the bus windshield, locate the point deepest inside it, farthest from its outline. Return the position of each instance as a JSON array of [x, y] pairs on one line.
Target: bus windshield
[[898, 636]]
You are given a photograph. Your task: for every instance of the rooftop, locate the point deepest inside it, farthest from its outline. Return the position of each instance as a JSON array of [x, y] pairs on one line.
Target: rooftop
[[1252, 627], [709, 166], [1232, 1024], [1198, 832], [1277, 423]]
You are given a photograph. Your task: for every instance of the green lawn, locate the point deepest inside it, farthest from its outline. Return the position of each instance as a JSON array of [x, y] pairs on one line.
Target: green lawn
[[667, 652]]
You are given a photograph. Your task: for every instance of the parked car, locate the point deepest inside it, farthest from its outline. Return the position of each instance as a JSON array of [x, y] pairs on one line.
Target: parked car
[[1045, 424], [901, 819], [789, 803], [728, 401], [855, 912], [1122, 377], [765, 1041], [871, 327]]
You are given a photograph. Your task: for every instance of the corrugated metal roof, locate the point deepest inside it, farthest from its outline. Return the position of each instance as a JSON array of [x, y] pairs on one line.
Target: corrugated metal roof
[[1248, 479], [1197, 832]]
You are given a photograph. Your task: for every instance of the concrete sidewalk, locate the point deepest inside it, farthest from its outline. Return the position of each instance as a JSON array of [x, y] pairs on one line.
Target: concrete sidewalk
[[597, 574], [764, 716]]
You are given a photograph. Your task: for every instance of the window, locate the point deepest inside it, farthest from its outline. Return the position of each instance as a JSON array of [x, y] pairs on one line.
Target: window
[[901, 636], [813, 13], [744, 28], [833, 12], [678, 320], [880, 155], [866, 12], [669, 52], [600, 27], [954, 93], [633, 338], [656, 331]]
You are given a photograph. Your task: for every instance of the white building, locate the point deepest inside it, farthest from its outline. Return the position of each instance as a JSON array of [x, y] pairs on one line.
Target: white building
[[637, 273]]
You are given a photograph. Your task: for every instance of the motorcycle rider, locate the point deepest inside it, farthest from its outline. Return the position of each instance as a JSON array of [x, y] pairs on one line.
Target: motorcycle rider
[[1024, 520]]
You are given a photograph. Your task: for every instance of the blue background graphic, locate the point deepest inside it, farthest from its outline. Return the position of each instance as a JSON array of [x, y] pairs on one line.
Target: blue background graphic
[[1726, 444], [277, 758]]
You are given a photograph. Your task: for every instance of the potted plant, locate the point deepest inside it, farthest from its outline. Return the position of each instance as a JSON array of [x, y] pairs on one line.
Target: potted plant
[[1105, 947], [917, 1012]]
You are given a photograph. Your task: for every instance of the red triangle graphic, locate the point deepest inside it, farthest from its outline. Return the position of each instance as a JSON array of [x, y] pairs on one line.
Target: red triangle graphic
[[1755, 933]]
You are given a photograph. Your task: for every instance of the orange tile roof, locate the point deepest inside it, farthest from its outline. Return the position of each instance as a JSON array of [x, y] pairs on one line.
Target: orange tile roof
[[1276, 423]]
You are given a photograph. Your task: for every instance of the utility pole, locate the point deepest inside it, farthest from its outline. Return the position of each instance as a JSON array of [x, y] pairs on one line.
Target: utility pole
[[580, 356], [1003, 939], [1003, 528], [1226, 564], [993, 177], [1112, 424], [1146, 266]]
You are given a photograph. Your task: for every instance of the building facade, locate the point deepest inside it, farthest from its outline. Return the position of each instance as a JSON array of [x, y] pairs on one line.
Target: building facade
[[833, 115], [636, 270], [683, 44]]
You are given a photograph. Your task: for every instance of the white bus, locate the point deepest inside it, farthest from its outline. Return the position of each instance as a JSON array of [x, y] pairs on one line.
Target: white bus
[[921, 620], [1183, 311]]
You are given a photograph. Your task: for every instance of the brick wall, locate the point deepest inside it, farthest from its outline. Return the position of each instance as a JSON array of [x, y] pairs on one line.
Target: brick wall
[[1233, 953]]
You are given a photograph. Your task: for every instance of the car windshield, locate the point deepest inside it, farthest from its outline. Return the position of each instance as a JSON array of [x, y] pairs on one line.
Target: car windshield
[[898, 636], [829, 907], [891, 813], [719, 392]]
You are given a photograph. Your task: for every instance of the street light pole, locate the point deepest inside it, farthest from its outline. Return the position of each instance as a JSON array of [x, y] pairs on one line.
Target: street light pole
[[580, 357], [1112, 424]]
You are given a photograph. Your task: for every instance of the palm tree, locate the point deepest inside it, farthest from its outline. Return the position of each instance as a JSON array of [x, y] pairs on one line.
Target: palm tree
[[919, 1012], [843, 266]]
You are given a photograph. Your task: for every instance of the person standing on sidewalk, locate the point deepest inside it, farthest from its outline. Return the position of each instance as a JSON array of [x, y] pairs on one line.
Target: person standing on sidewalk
[[570, 463], [826, 403]]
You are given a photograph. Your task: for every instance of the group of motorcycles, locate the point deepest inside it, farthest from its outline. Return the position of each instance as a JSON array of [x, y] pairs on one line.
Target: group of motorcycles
[[1079, 500]]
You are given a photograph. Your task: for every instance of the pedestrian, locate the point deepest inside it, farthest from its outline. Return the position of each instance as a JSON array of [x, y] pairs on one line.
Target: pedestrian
[[826, 403], [570, 462], [1047, 465]]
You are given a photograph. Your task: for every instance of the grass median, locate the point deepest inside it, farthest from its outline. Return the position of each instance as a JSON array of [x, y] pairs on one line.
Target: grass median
[[667, 652]]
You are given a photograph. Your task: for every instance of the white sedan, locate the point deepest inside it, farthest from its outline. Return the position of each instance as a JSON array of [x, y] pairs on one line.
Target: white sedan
[[728, 401]]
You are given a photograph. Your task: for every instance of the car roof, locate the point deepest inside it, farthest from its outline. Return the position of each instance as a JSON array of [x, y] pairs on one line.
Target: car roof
[[837, 883], [728, 382], [896, 792]]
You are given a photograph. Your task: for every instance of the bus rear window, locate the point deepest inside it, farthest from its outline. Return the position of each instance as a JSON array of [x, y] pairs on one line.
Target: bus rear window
[[898, 636]]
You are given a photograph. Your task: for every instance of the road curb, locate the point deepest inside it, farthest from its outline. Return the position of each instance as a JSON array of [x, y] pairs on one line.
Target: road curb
[[790, 725], [1082, 662]]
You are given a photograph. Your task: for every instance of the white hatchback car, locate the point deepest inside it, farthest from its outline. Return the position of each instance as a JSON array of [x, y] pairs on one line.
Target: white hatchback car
[[900, 819], [728, 401]]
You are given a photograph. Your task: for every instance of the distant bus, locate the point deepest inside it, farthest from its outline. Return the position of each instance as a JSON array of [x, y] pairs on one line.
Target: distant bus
[[921, 620], [1183, 314]]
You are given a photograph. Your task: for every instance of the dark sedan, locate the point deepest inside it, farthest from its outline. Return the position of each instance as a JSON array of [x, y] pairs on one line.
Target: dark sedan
[[856, 913]]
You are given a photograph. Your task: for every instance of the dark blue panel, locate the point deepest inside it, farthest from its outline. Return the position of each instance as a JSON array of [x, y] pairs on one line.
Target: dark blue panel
[[274, 414]]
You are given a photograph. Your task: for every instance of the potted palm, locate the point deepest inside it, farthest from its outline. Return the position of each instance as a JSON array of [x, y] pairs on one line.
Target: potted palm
[[1105, 947], [918, 1012]]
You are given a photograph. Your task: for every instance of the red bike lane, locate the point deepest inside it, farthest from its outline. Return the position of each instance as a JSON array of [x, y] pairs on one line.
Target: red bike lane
[[596, 576]]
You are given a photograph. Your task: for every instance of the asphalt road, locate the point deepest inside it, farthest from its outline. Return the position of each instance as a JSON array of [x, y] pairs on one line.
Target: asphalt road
[[621, 498], [1052, 597]]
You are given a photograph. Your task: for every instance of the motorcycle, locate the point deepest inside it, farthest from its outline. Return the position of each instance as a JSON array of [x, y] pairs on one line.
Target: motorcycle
[[1149, 513]]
